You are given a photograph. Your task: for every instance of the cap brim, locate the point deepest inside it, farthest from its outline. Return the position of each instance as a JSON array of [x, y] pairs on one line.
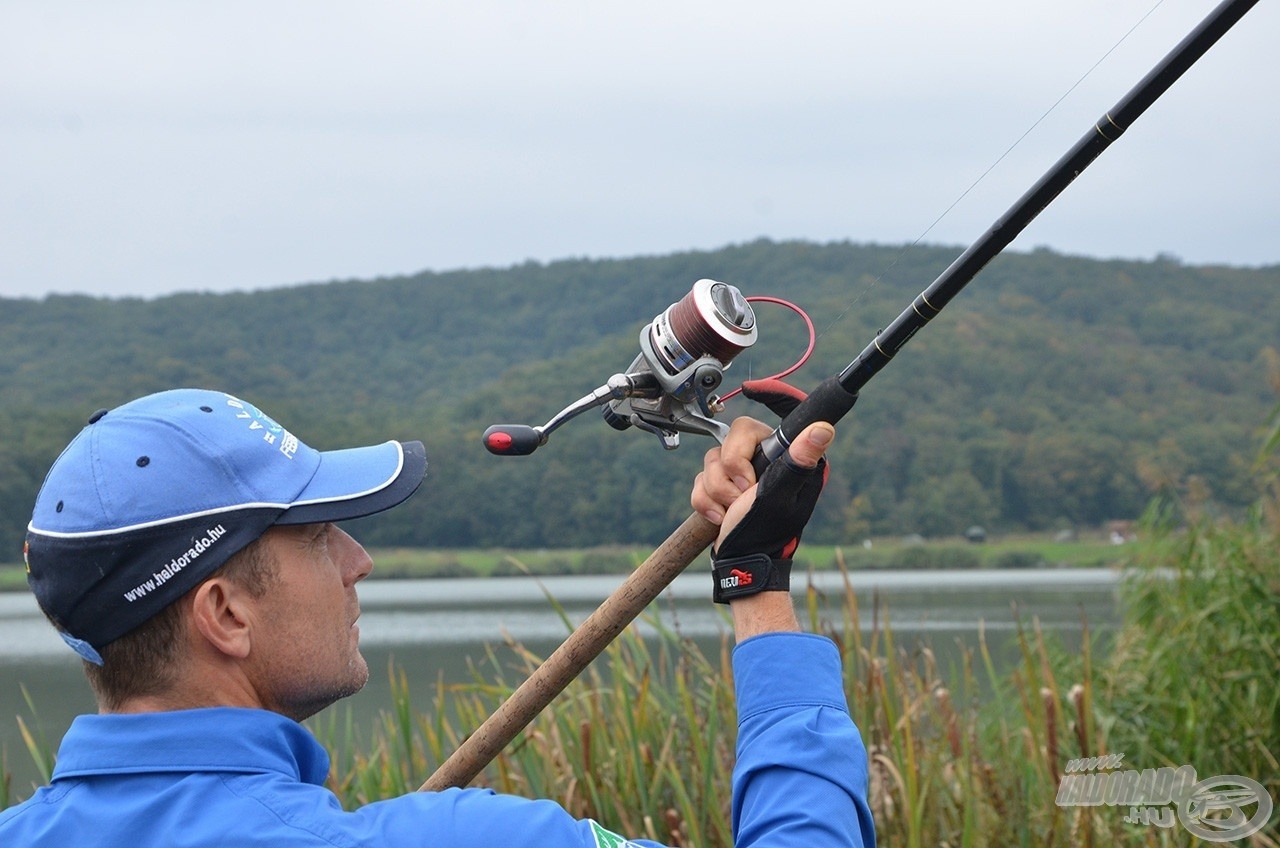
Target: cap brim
[[357, 482]]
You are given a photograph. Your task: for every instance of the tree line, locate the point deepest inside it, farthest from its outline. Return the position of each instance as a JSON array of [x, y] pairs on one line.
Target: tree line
[[1055, 391]]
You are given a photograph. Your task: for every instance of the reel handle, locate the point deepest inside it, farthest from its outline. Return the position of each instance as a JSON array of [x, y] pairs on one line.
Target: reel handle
[[513, 439]]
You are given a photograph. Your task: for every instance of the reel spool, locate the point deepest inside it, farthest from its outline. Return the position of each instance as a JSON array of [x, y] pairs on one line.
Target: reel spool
[[709, 326]]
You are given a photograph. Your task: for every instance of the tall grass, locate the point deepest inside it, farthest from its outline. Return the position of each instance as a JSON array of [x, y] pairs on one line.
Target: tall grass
[[38, 749], [1193, 678]]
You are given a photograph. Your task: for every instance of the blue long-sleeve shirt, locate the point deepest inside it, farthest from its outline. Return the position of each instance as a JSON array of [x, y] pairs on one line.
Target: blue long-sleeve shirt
[[243, 777]]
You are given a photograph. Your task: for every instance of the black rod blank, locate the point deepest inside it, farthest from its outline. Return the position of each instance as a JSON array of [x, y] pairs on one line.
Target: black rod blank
[[1108, 128]]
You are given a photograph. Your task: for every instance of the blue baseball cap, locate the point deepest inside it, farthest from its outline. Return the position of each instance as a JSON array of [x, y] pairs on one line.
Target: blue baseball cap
[[153, 496]]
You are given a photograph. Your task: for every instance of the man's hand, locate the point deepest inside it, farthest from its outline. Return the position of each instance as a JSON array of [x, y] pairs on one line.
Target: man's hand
[[725, 493], [727, 474], [726, 470]]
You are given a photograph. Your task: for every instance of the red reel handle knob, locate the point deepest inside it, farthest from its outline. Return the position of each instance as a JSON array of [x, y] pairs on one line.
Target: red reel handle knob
[[512, 439]]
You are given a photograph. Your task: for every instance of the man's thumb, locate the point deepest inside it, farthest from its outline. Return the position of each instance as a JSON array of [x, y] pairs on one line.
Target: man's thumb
[[812, 444]]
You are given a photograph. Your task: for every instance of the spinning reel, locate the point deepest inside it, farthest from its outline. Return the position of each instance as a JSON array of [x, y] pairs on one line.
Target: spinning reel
[[671, 386]]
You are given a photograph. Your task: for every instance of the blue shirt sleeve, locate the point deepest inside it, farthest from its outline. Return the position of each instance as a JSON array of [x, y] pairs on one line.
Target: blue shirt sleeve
[[801, 772]]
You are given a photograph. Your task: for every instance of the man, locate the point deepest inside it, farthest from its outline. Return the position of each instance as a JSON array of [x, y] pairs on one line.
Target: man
[[184, 545]]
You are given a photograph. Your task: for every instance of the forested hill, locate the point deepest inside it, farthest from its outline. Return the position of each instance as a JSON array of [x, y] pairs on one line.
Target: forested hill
[[1054, 391]]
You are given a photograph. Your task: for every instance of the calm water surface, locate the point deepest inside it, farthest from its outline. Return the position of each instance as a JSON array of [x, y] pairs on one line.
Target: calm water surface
[[433, 628]]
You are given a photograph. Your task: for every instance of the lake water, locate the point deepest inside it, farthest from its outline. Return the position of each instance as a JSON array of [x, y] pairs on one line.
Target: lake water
[[431, 628]]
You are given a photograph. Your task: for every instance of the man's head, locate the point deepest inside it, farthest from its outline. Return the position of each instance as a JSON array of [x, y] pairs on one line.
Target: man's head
[[152, 498]]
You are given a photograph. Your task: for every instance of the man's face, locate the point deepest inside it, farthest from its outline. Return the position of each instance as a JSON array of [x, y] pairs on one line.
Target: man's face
[[306, 652]]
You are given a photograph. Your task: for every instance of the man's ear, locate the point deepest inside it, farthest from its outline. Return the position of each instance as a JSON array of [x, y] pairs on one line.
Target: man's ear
[[221, 613]]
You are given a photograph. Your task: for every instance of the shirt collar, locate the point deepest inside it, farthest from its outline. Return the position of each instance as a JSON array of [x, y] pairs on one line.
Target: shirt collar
[[216, 739]]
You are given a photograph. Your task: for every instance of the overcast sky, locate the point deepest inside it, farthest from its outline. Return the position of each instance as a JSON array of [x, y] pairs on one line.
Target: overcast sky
[[150, 147]]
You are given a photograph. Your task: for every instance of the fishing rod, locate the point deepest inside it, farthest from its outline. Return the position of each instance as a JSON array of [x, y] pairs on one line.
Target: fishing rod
[[829, 402]]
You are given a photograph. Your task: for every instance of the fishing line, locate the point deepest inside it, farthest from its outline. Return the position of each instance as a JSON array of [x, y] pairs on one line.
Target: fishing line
[[909, 247]]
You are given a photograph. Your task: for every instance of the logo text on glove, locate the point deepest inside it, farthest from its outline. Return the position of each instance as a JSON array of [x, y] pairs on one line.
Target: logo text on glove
[[736, 578]]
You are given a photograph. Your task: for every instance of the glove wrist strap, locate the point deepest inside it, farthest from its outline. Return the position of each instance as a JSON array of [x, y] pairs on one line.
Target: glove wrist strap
[[739, 577]]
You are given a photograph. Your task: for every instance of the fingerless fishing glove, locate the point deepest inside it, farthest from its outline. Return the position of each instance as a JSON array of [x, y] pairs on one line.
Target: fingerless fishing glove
[[756, 555]]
